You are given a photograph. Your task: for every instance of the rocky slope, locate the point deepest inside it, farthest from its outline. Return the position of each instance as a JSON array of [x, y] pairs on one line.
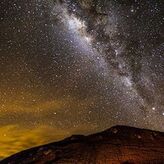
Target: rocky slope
[[119, 144]]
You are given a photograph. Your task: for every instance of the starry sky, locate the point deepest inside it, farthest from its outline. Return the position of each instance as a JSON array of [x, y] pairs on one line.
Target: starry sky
[[78, 67]]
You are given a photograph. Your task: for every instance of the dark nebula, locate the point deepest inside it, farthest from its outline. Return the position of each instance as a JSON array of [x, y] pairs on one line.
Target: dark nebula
[[78, 67]]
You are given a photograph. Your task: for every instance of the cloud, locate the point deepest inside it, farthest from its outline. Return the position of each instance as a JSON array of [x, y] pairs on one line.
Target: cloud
[[14, 138]]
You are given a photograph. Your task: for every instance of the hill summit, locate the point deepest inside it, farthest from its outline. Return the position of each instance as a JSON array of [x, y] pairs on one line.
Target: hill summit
[[119, 144]]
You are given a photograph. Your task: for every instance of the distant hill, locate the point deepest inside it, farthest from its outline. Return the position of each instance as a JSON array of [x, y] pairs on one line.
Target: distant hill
[[119, 144]]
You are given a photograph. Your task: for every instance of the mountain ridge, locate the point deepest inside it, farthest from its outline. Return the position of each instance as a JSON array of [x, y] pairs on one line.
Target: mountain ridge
[[118, 144]]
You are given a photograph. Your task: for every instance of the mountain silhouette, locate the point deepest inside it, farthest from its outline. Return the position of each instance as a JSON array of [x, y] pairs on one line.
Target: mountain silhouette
[[119, 144]]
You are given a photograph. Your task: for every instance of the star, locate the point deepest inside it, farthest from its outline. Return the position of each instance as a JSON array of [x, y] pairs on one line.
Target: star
[[78, 67]]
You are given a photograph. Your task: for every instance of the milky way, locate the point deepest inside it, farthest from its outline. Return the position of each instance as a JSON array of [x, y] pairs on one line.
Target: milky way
[[78, 67]]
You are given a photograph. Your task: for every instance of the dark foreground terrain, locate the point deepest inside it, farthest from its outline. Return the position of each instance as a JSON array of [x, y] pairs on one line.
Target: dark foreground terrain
[[119, 144]]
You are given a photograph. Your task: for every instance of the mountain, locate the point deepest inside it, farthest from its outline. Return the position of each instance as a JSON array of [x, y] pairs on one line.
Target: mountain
[[119, 144]]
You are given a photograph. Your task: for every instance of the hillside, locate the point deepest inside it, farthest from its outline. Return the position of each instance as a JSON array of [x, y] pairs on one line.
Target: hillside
[[119, 144]]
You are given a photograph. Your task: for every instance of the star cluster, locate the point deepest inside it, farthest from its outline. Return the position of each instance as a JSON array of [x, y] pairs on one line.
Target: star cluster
[[78, 67]]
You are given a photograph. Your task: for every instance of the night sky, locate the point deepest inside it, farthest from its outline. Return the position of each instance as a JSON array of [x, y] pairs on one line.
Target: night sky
[[78, 67]]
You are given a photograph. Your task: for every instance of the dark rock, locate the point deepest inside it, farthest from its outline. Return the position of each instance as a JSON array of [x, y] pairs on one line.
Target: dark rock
[[119, 144]]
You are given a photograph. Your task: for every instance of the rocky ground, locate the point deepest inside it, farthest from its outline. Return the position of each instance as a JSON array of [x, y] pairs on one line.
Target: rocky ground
[[119, 144]]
